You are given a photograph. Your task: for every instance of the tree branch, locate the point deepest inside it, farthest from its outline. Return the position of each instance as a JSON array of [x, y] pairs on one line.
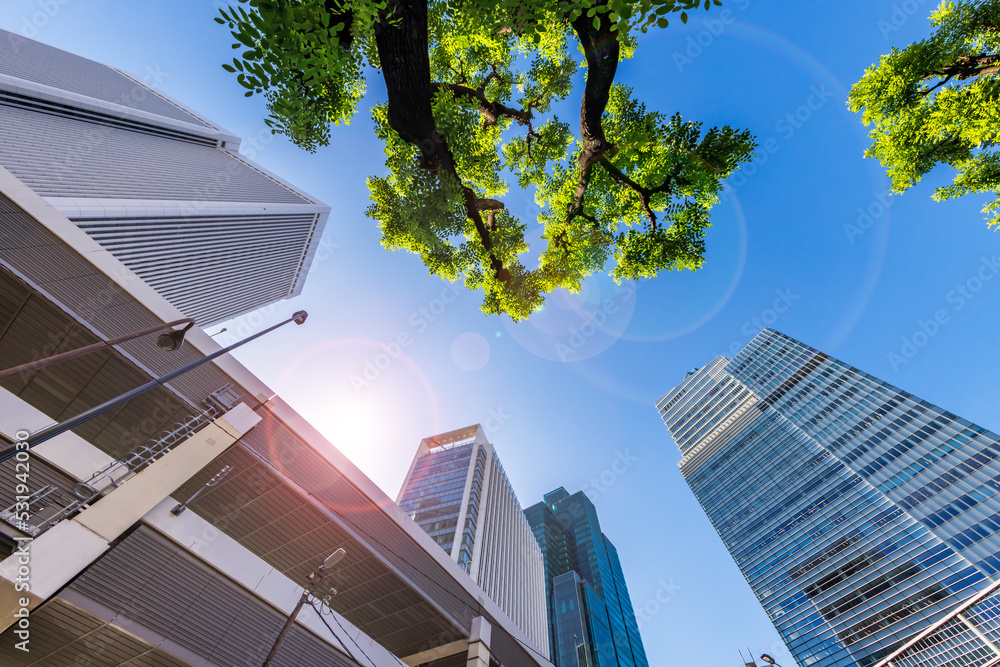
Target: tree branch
[[490, 77], [938, 84], [966, 67], [545, 89], [491, 111], [674, 177], [644, 194], [942, 144]]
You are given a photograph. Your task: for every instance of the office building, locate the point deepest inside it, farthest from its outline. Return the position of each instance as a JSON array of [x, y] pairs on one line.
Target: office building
[[591, 621], [115, 576], [457, 491], [860, 514], [162, 189]]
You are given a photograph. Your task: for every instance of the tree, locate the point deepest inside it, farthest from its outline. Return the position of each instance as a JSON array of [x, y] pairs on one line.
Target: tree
[[938, 102], [470, 89]]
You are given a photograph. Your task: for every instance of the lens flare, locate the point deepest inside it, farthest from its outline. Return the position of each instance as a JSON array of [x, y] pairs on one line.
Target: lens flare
[[355, 411]]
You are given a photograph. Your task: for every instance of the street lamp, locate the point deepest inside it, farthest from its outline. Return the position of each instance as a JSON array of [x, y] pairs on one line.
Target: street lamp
[[180, 507], [310, 589], [769, 660], [167, 341], [170, 341], [50, 432]]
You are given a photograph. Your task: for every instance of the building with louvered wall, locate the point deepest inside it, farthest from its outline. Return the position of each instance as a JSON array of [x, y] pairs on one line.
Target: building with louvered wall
[[211, 586], [164, 190]]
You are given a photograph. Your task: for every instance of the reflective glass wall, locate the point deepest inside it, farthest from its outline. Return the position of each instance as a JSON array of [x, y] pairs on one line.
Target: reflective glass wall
[[858, 513], [591, 616]]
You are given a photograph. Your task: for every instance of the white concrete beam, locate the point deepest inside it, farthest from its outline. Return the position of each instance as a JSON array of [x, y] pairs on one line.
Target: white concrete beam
[[479, 643], [438, 652], [41, 566]]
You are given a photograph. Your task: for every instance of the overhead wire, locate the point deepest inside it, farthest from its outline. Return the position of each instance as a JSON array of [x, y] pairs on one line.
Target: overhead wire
[[333, 615], [477, 609]]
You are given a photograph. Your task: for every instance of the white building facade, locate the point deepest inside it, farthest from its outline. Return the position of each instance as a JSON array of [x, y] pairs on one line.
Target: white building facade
[[458, 492], [161, 188]]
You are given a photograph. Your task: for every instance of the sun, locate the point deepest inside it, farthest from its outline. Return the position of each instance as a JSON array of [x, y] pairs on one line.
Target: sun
[[354, 423], [373, 404]]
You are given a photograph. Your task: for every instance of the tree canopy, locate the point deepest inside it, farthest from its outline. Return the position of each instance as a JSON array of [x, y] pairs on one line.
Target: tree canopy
[[470, 87], [938, 102]]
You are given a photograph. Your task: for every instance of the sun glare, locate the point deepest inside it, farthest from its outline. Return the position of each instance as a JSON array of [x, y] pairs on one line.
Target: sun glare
[[354, 424], [376, 411]]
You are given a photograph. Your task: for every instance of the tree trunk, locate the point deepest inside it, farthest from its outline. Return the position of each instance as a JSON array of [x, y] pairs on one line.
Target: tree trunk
[[401, 38], [600, 45]]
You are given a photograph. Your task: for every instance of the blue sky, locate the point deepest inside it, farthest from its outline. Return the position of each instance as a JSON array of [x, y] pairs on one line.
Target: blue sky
[[806, 240]]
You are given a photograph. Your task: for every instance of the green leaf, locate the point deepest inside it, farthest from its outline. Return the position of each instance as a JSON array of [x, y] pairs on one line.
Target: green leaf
[[309, 64], [922, 118]]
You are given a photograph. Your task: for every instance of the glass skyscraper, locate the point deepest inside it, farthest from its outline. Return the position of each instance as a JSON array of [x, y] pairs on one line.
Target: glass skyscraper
[[459, 493], [859, 513], [591, 622]]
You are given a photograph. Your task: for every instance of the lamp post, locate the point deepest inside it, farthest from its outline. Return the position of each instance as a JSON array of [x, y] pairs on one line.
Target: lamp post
[[769, 660], [310, 589], [52, 431], [180, 507], [168, 342]]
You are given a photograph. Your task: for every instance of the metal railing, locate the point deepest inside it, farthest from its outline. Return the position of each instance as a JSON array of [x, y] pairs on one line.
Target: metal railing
[[45, 508], [116, 472], [49, 505]]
